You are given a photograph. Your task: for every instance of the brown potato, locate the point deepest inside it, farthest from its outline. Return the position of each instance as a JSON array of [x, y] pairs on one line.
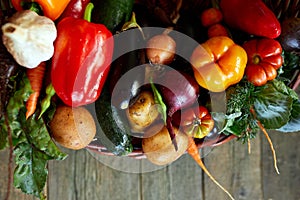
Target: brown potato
[[143, 112], [73, 128], [159, 148]]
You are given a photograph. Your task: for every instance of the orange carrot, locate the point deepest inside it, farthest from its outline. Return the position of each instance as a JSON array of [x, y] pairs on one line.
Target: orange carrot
[[35, 76], [262, 128], [194, 153]]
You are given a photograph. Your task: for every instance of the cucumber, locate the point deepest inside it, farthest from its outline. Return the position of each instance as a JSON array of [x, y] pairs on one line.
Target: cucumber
[[112, 13], [127, 73], [114, 130]]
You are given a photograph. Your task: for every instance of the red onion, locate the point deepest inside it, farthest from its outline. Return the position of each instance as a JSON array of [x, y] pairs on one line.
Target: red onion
[[179, 90]]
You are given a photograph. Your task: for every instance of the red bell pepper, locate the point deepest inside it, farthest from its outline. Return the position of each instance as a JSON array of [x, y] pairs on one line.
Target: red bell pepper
[[251, 16], [50, 8], [81, 61], [264, 58]]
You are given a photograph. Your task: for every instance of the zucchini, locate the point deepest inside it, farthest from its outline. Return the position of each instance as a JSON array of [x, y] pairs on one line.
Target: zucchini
[[112, 13], [114, 130], [127, 73]]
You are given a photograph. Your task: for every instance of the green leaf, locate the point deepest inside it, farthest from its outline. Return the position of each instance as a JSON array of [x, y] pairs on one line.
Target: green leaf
[[30, 174], [159, 100], [16, 102], [223, 122], [294, 124], [290, 65], [37, 135], [46, 102], [273, 105], [32, 142]]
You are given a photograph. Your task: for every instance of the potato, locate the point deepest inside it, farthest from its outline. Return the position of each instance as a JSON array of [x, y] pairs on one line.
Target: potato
[[143, 112], [159, 148], [73, 128]]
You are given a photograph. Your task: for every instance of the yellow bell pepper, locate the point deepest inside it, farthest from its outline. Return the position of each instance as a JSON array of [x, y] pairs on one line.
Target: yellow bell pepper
[[218, 63], [51, 8]]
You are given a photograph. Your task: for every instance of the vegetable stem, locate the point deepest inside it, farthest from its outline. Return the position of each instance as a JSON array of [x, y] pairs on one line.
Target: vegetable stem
[[45, 104], [10, 162], [158, 100], [133, 24], [88, 12], [33, 6]]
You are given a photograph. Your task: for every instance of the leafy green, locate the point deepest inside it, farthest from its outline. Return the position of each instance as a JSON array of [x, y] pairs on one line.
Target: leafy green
[[274, 105], [46, 102], [33, 146], [240, 120], [158, 100], [294, 124], [290, 65], [31, 173]]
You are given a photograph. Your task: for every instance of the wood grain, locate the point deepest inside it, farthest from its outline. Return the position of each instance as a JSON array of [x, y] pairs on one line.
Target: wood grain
[[286, 184], [246, 176]]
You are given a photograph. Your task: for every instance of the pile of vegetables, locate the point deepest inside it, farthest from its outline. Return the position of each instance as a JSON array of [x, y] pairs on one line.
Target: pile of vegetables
[[67, 81]]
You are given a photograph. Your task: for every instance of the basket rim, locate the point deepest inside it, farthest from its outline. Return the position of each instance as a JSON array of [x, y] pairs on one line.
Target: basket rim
[[139, 154]]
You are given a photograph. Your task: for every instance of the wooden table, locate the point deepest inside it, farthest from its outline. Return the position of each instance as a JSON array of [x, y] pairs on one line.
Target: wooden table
[[247, 176]]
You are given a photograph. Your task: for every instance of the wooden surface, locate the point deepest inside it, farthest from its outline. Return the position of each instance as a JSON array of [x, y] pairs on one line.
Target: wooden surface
[[247, 176]]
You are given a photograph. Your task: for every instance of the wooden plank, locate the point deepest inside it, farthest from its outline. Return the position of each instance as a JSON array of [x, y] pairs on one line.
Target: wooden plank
[[286, 184], [185, 178], [14, 193], [81, 176], [235, 169]]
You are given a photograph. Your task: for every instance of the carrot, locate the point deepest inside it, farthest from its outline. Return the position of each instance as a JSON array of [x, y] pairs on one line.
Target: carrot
[[194, 153], [35, 76], [268, 138]]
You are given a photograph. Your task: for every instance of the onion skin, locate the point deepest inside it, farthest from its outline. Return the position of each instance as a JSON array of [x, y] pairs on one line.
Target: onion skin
[[179, 90], [161, 49], [290, 36]]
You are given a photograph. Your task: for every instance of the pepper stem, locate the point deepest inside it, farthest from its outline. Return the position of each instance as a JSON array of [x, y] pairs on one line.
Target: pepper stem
[[33, 6], [88, 12]]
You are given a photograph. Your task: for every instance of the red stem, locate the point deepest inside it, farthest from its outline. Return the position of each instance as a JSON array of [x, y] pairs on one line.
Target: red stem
[[10, 161]]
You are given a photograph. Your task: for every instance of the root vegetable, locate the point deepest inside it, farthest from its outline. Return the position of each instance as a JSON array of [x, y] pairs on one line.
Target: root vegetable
[[35, 76], [143, 112], [159, 148], [194, 153], [161, 49], [179, 90], [73, 128]]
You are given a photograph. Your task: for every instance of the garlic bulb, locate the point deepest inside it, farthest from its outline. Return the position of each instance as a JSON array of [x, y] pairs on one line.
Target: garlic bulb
[[29, 38]]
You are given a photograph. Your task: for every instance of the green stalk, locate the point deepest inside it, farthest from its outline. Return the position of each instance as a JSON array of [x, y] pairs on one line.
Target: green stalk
[[88, 12]]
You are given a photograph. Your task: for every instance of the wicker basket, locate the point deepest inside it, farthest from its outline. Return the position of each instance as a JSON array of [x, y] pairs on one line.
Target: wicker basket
[[170, 8]]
